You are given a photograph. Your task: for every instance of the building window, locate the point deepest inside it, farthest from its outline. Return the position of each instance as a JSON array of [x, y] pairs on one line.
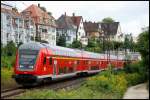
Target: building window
[[53, 37], [79, 33], [53, 29], [44, 30], [69, 38], [74, 39]]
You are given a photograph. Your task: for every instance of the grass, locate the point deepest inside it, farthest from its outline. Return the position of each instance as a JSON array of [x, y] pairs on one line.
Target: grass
[[99, 86], [80, 93], [6, 79]]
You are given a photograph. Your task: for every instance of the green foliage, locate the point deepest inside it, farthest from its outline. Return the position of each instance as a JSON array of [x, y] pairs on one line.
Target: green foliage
[[10, 49], [135, 73], [117, 44], [132, 67], [108, 20], [8, 55], [76, 44], [143, 48], [91, 43], [143, 43], [128, 41], [108, 82], [135, 78], [94, 45], [7, 61], [6, 78], [61, 41]]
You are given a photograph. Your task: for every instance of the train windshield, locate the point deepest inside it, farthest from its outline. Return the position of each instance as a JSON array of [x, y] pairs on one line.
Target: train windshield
[[27, 59]]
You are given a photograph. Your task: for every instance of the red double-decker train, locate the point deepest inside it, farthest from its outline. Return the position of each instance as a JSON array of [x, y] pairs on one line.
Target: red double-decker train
[[36, 62]]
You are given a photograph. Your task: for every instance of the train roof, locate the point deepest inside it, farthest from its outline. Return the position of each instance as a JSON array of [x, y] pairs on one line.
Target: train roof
[[63, 51]]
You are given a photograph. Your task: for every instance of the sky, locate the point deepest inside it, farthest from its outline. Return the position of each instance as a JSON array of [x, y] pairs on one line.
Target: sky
[[132, 15]]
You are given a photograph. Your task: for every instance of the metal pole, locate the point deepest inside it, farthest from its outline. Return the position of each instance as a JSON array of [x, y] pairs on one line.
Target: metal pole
[[18, 30]]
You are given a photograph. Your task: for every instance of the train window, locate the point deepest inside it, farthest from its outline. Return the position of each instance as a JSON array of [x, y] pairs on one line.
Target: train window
[[75, 62], [97, 62], [50, 60], [78, 62], [44, 62], [89, 62]]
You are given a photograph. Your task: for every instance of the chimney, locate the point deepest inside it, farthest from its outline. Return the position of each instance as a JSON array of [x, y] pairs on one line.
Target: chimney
[[65, 13], [38, 5], [73, 14]]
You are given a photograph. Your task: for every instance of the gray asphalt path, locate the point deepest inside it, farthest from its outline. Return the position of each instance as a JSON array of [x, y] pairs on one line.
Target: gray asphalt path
[[137, 92]]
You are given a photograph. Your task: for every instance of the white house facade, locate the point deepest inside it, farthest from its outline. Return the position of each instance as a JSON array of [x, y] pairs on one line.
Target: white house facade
[[14, 26]]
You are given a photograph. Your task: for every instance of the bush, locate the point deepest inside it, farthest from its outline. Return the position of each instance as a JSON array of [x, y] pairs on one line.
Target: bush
[[106, 82], [7, 61], [135, 73], [132, 67], [135, 78]]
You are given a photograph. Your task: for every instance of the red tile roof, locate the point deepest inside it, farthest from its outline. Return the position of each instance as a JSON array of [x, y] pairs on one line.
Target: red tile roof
[[76, 20], [38, 15], [12, 12]]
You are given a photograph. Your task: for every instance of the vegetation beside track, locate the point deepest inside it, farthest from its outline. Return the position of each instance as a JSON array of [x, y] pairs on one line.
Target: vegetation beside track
[[105, 85], [6, 78]]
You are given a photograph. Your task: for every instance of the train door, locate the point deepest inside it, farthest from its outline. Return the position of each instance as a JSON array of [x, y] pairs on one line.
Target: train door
[[54, 67], [49, 65]]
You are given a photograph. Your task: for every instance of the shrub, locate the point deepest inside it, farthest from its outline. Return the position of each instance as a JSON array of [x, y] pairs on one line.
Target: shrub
[[7, 61], [134, 78], [132, 67], [106, 82]]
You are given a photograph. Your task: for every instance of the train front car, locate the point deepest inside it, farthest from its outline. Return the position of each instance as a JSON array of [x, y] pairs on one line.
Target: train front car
[[27, 63]]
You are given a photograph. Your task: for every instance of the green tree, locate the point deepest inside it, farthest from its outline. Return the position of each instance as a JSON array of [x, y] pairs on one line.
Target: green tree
[[61, 40], [76, 44], [143, 45], [129, 43], [143, 48], [108, 20], [91, 42], [10, 49], [94, 45]]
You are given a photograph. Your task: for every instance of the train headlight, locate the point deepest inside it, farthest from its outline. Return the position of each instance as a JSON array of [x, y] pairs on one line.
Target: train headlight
[[30, 66], [21, 66]]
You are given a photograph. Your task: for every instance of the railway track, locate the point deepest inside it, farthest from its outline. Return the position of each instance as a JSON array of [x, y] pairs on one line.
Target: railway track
[[11, 92], [69, 83]]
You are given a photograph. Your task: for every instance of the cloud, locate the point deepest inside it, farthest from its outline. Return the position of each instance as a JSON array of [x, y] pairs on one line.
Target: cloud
[[135, 26]]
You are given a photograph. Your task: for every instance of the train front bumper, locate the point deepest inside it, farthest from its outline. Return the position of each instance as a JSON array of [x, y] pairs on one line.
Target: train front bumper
[[26, 79]]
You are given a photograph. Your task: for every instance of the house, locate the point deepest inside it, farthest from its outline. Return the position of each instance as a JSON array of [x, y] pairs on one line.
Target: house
[[92, 29], [72, 27], [113, 30], [80, 32], [13, 26], [45, 24]]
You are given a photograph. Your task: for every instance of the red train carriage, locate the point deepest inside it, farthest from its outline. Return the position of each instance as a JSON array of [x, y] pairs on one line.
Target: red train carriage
[[36, 62]]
